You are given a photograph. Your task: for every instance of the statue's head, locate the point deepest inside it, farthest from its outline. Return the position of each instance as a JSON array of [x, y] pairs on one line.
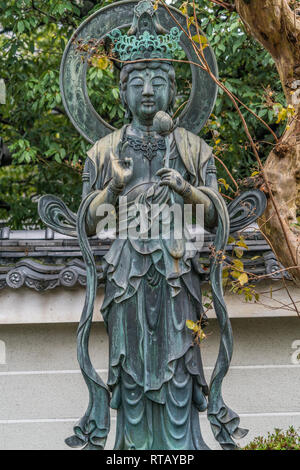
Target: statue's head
[[146, 88]]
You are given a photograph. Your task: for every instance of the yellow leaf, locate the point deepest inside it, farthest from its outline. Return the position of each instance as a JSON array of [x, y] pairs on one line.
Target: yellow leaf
[[202, 40], [230, 240], [155, 6], [235, 274], [238, 264], [183, 8], [100, 62], [282, 115], [238, 252], [202, 336], [222, 181], [192, 325], [225, 273], [255, 257], [242, 244], [191, 21], [243, 279], [254, 173]]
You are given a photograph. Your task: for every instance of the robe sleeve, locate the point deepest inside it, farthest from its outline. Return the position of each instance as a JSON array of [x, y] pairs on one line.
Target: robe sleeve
[[88, 176], [195, 154], [97, 169], [210, 172], [206, 166]]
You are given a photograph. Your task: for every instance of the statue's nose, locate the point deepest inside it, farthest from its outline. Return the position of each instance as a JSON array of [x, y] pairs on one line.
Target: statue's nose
[[148, 89]]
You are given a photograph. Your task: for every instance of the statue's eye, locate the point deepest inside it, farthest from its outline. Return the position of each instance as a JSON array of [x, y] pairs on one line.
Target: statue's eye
[[137, 83], [158, 82]]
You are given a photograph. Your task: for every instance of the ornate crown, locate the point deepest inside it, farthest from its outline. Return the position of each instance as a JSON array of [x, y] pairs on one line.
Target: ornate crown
[[142, 40]]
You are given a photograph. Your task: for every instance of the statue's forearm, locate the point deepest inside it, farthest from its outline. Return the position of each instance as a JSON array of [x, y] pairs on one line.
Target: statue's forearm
[[109, 195], [195, 196]]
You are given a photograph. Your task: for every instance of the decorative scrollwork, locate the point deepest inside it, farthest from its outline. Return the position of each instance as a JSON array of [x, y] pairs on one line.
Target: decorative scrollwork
[[245, 209], [15, 279], [149, 148], [42, 277], [146, 45], [273, 267], [73, 72], [41, 285], [68, 277], [56, 215]]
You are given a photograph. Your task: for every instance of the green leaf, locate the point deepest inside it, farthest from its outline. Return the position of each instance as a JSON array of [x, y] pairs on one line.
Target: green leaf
[[30, 63], [21, 26], [62, 43], [115, 93]]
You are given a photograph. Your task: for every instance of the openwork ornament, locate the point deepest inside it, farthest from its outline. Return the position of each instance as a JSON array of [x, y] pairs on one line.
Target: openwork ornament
[[148, 148], [146, 45], [138, 17]]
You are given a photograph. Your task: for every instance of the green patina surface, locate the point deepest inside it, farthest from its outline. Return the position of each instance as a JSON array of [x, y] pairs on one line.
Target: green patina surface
[[156, 380]]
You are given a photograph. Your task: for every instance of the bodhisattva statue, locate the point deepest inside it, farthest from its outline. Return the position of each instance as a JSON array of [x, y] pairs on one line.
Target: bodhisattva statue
[[152, 285]]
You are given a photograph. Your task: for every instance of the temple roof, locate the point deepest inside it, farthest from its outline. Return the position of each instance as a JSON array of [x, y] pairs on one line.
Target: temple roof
[[44, 259]]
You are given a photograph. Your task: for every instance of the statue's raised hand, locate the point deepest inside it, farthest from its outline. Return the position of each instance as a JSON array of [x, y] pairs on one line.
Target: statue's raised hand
[[122, 169], [173, 179]]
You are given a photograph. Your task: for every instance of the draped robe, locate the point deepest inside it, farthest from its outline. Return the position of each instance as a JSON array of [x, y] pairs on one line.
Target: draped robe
[[155, 372]]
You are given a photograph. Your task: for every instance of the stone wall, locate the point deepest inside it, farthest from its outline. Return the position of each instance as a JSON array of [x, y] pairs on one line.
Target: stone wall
[[43, 393]]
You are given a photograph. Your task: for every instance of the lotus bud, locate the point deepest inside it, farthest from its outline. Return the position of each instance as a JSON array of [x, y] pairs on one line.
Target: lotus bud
[[163, 123]]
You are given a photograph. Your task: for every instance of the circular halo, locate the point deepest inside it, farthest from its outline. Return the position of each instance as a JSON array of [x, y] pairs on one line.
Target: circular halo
[[73, 72]]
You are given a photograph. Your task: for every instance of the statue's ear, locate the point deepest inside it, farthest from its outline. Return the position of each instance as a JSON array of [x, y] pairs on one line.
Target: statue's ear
[[122, 96], [124, 103], [172, 99]]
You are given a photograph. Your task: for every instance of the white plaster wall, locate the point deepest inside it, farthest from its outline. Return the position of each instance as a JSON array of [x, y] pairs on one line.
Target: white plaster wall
[[21, 306], [43, 393], [24, 305]]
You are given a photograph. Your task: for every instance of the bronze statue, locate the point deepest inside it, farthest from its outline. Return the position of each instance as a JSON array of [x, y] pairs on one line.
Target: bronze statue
[[153, 284]]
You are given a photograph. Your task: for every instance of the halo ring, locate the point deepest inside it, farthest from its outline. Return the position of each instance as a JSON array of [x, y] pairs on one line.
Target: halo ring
[[73, 73]]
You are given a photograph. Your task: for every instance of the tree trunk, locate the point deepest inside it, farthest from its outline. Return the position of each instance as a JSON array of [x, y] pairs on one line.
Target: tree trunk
[[277, 28]]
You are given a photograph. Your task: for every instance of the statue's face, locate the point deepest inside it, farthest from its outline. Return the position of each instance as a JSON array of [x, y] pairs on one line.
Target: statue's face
[[148, 91]]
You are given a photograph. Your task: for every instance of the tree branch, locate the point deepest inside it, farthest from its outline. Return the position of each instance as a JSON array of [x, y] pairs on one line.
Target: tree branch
[[227, 6]]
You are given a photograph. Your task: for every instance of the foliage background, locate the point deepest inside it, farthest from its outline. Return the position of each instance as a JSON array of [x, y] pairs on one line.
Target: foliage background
[[48, 153]]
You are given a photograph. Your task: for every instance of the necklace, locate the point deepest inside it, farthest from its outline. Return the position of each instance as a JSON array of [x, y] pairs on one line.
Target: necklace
[[148, 147]]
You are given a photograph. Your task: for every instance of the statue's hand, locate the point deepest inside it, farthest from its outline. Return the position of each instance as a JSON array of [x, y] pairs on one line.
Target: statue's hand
[[122, 172], [173, 179]]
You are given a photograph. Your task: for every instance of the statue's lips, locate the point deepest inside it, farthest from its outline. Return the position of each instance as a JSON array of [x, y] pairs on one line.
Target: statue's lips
[[148, 103]]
